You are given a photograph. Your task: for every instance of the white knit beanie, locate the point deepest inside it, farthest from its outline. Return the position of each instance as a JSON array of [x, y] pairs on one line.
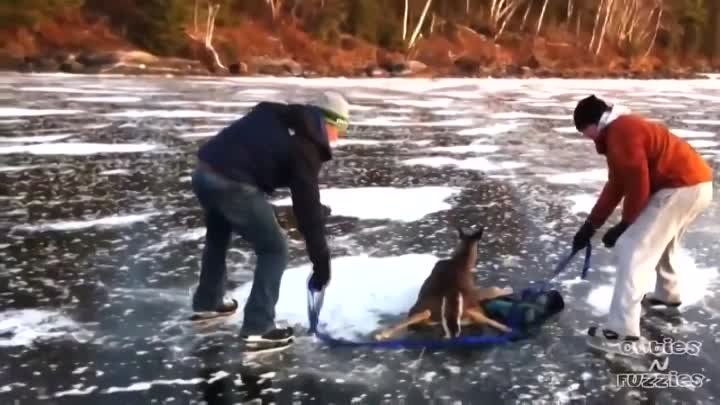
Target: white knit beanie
[[335, 107]]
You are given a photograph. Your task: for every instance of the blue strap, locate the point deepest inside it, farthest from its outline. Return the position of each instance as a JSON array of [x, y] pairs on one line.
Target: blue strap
[[544, 285], [316, 299]]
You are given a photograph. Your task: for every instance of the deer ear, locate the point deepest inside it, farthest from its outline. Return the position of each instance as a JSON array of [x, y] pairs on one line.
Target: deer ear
[[478, 234]]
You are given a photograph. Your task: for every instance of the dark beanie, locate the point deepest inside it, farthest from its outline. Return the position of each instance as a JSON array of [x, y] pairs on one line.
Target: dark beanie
[[589, 111]]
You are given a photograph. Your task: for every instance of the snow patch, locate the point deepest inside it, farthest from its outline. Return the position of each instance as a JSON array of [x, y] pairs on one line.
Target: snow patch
[[145, 385], [687, 133], [398, 204], [33, 139], [79, 148], [106, 222], [114, 171], [519, 115], [376, 286], [495, 129], [169, 114], [582, 203], [476, 163], [472, 148], [28, 112], [702, 143], [115, 99], [588, 176], [25, 326]]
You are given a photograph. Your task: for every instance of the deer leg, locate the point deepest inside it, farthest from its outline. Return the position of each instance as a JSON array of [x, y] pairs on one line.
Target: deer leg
[[477, 316], [414, 319], [484, 294]]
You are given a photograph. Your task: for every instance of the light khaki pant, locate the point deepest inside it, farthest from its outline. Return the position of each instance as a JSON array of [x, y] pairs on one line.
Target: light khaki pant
[[650, 245]]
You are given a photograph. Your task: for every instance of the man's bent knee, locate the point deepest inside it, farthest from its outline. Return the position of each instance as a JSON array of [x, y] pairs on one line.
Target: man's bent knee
[[272, 244]]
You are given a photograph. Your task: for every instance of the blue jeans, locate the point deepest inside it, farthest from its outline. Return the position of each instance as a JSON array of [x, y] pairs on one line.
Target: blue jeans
[[230, 206]]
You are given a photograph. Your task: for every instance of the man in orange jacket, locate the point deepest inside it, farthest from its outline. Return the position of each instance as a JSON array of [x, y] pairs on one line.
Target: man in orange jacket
[[665, 185]]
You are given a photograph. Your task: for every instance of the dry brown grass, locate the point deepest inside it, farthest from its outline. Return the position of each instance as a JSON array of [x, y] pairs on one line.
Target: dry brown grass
[[70, 32]]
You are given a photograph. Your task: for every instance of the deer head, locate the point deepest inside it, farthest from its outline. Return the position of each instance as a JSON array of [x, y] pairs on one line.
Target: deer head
[[466, 249], [470, 236]]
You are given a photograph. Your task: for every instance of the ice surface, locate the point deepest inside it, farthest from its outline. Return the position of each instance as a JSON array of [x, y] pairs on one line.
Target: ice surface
[[76, 392], [702, 143], [15, 168], [68, 90], [146, 385], [78, 148], [429, 102], [155, 269], [495, 129], [399, 204], [398, 122], [199, 135], [702, 122], [566, 130], [33, 112], [170, 114], [25, 326], [476, 163], [577, 177], [582, 203], [696, 285], [114, 171], [687, 133], [33, 139], [366, 142], [519, 114], [238, 104], [473, 147], [376, 286], [111, 99], [106, 222]]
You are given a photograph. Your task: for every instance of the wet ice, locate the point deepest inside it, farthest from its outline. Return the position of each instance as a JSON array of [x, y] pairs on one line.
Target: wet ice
[[103, 235]]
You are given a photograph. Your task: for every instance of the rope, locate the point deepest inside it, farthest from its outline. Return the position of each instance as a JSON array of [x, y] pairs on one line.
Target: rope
[[316, 299]]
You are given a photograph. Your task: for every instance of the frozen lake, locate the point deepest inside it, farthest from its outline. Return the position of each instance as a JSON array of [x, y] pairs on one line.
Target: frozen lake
[[100, 239]]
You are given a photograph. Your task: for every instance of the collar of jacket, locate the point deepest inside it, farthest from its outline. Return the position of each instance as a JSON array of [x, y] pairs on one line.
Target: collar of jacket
[[615, 112]]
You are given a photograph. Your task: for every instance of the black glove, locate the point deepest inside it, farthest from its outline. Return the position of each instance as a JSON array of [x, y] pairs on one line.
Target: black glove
[[583, 236], [612, 235], [320, 277]]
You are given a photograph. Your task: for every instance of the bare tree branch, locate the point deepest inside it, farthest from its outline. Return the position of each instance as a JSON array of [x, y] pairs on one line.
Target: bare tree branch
[[542, 16], [405, 21], [527, 13], [509, 17], [413, 38], [595, 26], [608, 14], [195, 17], [657, 28]]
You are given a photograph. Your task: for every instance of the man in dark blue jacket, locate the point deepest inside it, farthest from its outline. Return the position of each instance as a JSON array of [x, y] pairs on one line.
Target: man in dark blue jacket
[[275, 145]]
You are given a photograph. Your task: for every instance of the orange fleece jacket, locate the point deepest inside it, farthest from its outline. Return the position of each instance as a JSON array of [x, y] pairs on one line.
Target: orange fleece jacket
[[643, 157]]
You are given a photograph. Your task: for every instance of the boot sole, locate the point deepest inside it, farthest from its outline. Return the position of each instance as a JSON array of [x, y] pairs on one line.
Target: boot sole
[[254, 349], [602, 345], [260, 340], [208, 315], [653, 302]]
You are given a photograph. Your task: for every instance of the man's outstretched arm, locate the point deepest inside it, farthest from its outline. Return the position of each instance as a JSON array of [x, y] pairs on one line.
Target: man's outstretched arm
[[309, 213]]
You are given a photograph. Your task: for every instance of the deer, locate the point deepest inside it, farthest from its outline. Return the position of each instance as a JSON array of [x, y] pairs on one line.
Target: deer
[[448, 296]]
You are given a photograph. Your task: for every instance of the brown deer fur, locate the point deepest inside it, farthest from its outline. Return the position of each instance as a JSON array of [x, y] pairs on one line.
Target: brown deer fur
[[449, 295]]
